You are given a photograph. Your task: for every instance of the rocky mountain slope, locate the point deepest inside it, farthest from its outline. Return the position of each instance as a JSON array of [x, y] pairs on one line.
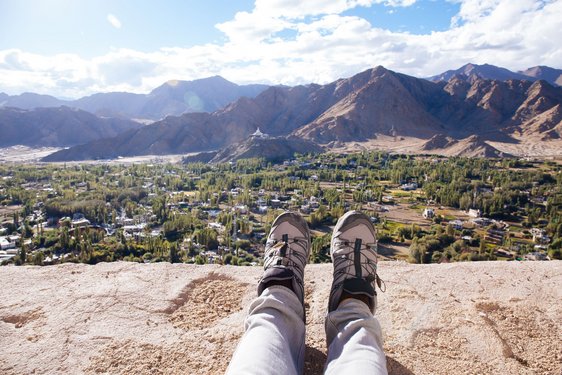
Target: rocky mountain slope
[[56, 127], [471, 147], [124, 318], [172, 98], [271, 149], [369, 105]]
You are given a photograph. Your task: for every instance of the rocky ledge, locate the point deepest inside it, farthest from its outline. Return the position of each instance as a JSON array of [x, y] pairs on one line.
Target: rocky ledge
[[123, 318]]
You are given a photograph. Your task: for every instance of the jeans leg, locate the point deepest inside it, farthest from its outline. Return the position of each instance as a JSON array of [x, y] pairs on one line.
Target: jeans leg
[[354, 340], [274, 339]]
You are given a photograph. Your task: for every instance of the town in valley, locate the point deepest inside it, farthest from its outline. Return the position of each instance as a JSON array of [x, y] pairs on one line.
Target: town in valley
[[426, 209]]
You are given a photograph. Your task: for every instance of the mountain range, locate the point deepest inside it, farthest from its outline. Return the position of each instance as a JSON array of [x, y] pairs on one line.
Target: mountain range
[[370, 106], [57, 127], [486, 71], [173, 98], [474, 111]]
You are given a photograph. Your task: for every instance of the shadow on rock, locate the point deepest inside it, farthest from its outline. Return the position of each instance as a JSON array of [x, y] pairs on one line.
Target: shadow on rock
[[396, 368], [314, 361]]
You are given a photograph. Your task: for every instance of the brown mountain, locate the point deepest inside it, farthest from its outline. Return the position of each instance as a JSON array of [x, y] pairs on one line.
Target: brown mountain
[[472, 71], [551, 75], [438, 142], [473, 146], [384, 103], [362, 108], [56, 127]]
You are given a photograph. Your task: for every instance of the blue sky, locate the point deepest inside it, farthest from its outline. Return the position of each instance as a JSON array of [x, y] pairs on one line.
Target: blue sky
[[82, 26], [71, 48]]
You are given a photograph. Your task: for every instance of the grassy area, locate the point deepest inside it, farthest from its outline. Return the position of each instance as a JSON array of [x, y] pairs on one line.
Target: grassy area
[[392, 226], [400, 193]]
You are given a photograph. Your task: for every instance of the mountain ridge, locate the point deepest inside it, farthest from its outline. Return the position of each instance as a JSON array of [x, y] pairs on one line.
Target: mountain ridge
[[172, 98], [472, 71], [374, 103], [56, 127]]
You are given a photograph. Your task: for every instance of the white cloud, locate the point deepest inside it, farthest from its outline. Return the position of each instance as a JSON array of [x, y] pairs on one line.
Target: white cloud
[[114, 21], [396, 3], [279, 42], [293, 9]]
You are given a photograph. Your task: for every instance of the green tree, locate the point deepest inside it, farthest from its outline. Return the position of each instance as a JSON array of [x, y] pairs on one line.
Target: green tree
[[23, 254], [38, 258], [199, 260], [228, 259], [482, 247], [416, 252], [174, 253]]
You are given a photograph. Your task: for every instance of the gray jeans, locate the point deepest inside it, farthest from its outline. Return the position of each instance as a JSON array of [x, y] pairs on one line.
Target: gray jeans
[[274, 341]]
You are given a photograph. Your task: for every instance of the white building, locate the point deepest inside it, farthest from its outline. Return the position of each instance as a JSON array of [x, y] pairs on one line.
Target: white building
[[5, 243], [80, 223], [409, 187], [428, 213], [474, 212]]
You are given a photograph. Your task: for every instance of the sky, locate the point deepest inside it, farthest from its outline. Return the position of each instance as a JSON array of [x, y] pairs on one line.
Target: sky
[[73, 48]]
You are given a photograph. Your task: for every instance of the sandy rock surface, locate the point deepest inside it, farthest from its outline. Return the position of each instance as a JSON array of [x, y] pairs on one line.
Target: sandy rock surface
[[125, 318]]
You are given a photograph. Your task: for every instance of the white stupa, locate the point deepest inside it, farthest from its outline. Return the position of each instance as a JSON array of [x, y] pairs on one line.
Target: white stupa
[[258, 134]]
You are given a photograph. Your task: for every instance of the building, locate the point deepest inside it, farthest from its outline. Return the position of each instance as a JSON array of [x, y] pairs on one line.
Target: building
[[474, 213], [388, 198], [481, 221], [275, 203], [313, 202], [539, 236], [409, 187], [456, 224], [495, 236], [428, 213], [378, 207], [6, 243], [5, 255], [80, 223], [503, 253], [536, 256]]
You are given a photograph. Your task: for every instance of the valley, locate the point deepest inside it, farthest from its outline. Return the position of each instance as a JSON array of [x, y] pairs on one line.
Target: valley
[[426, 209]]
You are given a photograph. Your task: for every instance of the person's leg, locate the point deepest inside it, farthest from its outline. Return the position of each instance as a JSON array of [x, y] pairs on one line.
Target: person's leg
[[274, 338], [355, 340], [353, 334], [275, 330]]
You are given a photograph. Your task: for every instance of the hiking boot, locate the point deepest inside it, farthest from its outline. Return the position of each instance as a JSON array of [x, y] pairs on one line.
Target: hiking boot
[[354, 256], [286, 253]]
